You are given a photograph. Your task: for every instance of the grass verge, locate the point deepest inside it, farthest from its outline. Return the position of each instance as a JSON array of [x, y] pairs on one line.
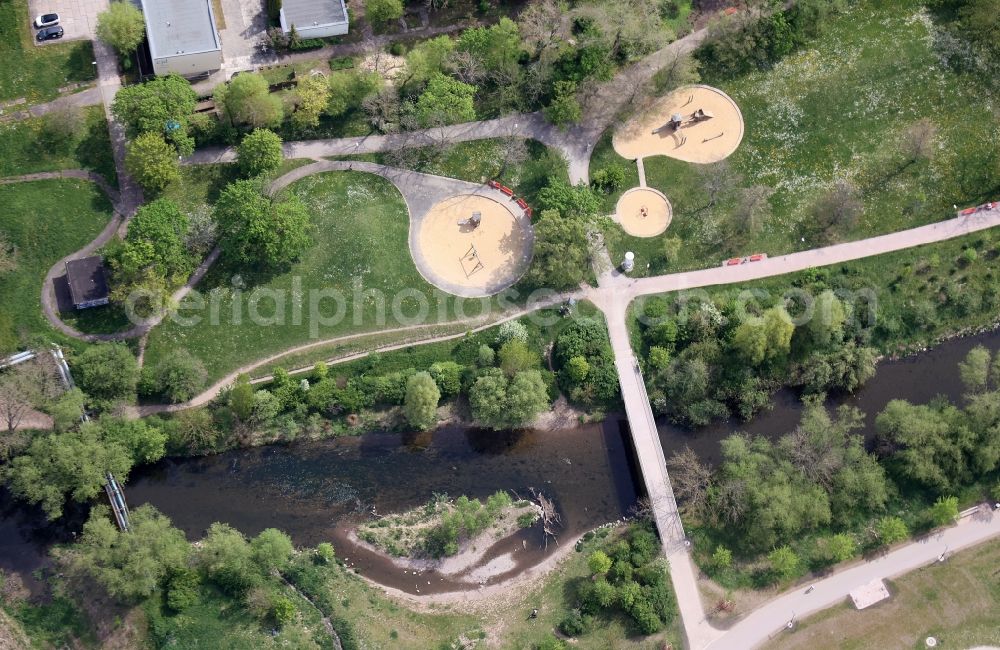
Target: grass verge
[[45, 220], [955, 602], [37, 72], [23, 152]]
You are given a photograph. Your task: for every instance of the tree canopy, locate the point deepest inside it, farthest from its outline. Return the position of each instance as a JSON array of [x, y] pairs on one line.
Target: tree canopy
[[161, 105], [259, 153], [122, 26], [257, 229], [70, 464], [130, 565], [246, 101], [421, 401], [152, 162], [107, 372], [445, 101]]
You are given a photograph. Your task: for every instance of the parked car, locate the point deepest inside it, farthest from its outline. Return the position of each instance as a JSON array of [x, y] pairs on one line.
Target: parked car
[[49, 33], [46, 20]]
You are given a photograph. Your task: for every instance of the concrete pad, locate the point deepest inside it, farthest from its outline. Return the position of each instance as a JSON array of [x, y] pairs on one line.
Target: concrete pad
[[869, 594]]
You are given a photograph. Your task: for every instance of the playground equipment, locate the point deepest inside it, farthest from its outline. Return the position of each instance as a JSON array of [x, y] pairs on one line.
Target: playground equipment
[[471, 261], [473, 221]]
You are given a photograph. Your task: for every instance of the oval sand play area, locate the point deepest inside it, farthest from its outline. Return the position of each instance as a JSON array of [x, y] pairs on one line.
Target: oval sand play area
[[698, 124], [472, 246], [643, 212]]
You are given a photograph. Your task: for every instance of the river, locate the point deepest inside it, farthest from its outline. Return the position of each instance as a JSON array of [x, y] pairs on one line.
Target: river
[[316, 490]]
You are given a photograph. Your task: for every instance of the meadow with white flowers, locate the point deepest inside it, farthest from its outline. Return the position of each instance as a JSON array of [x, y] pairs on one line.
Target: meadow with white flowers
[[870, 106]]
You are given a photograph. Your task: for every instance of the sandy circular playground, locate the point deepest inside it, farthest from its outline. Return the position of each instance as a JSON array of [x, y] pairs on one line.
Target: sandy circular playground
[[643, 212], [473, 261], [706, 137]]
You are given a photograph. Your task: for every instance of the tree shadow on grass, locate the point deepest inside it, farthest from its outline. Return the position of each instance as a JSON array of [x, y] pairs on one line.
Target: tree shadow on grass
[[80, 63], [94, 150]]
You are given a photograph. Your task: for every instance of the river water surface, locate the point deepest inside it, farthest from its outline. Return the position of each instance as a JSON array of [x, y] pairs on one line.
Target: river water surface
[[315, 491]]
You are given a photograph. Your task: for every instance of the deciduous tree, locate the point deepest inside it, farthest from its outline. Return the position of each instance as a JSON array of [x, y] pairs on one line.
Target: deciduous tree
[[562, 251], [257, 229], [383, 11], [259, 153], [107, 372], [152, 162], [122, 26], [421, 401], [131, 564], [247, 101]]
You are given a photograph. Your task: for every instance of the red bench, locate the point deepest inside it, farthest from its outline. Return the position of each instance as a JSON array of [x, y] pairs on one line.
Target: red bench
[[506, 190], [966, 212], [521, 203], [495, 185], [758, 257], [528, 212], [734, 261]]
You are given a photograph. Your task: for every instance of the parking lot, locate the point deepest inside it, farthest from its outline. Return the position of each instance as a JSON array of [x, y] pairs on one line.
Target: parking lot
[[77, 17]]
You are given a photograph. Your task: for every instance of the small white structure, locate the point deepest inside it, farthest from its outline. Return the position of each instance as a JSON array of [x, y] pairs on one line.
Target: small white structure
[[629, 262], [182, 37], [314, 18], [869, 594]]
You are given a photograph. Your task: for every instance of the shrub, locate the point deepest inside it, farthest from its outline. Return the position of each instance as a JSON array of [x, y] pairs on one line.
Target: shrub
[[722, 558], [324, 552], [485, 357], [609, 179], [512, 330], [944, 511], [599, 563], [283, 611], [182, 589], [784, 562], [890, 530], [448, 377], [574, 624]]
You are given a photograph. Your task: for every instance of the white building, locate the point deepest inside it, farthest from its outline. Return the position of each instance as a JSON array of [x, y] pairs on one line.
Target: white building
[[314, 18], [182, 36]]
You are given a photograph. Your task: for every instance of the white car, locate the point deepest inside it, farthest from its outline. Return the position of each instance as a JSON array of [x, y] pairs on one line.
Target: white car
[[46, 20]]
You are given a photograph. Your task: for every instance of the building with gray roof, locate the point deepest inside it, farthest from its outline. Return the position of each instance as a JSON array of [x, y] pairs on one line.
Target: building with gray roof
[[314, 18], [182, 36]]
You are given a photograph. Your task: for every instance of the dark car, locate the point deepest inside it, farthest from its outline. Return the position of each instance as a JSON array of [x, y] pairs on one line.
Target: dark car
[[49, 33]]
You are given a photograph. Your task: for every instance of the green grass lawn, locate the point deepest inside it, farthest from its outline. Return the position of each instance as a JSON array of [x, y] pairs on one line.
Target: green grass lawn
[[37, 72], [21, 152], [956, 602], [837, 109], [45, 220], [359, 234]]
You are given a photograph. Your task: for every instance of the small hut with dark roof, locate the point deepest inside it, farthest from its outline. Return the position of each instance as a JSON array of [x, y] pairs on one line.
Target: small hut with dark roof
[[88, 282]]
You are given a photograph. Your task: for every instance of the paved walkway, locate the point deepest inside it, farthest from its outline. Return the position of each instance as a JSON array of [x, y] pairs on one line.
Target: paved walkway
[[769, 620], [88, 97], [782, 264]]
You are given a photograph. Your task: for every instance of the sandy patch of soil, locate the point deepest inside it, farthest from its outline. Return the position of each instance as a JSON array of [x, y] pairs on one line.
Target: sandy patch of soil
[[703, 141], [497, 251], [643, 212], [485, 599]]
